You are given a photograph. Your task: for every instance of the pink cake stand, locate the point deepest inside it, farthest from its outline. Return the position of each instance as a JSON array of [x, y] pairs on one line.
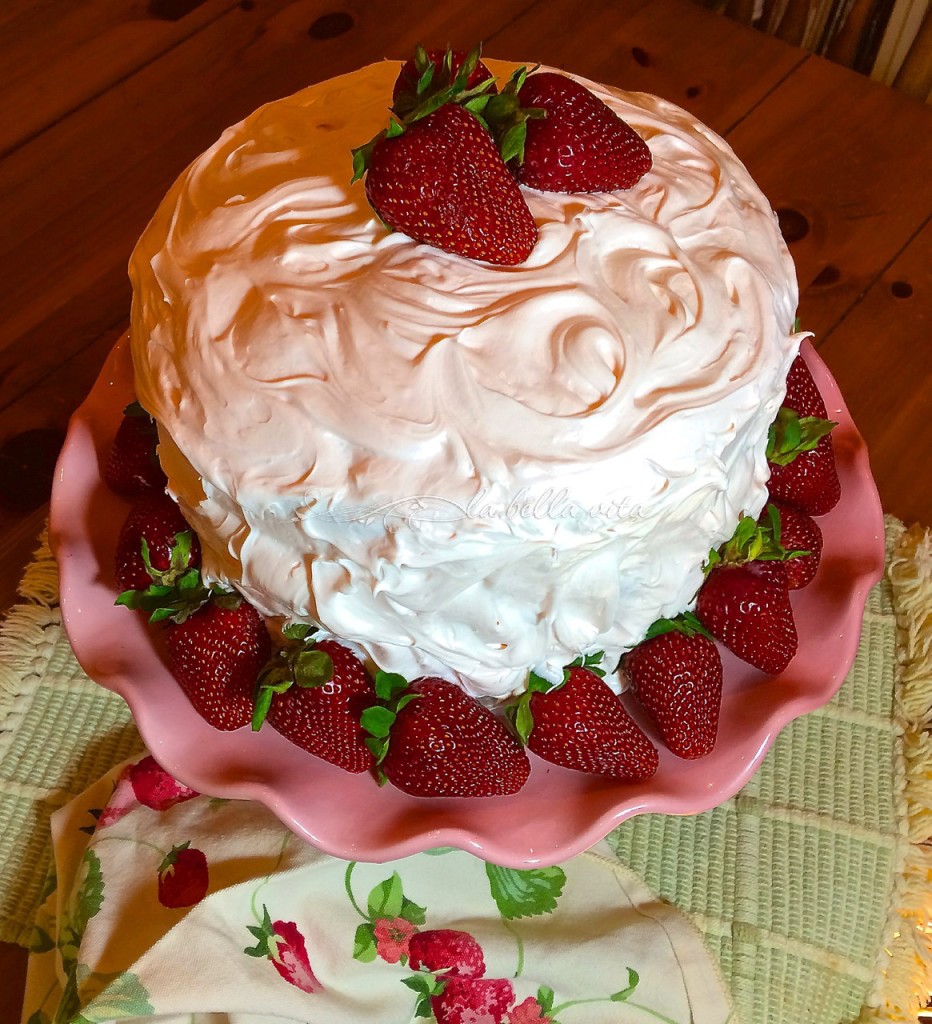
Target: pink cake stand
[[559, 813]]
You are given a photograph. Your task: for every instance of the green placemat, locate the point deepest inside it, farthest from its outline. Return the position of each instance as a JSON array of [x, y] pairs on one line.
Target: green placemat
[[813, 886]]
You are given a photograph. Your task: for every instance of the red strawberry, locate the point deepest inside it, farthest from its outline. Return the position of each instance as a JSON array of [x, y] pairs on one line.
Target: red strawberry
[[677, 677], [442, 181], [282, 944], [154, 787], [216, 655], [581, 724], [322, 716], [132, 467], [810, 482], [802, 395], [582, 145], [473, 1001], [157, 520], [183, 877], [445, 63], [454, 953], [444, 743], [798, 532], [747, 608]]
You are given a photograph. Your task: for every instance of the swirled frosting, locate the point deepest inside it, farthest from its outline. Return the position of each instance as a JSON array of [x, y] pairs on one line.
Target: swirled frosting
[[466, 470]]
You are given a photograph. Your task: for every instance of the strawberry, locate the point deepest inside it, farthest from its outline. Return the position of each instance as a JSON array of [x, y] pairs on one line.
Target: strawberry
[[473, 1001], [314, 694], [150, 533], [283, 945], [810, 482], [453, 953], [183, 877], [432, 739], [802, 463], [429, 72], [132, 468], [581, 145], [441, 180], [581, 724], [154, 787], [676, 675], [802, 394], [747, 608], [796, 531], [216, 655]]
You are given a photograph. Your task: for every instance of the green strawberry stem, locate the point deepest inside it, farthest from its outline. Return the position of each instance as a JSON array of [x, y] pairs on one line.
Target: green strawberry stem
[[391, 689], [791, 434], [296, 663], [519, 713], [685, 623], [176, 592], [500, 113], [752, 542]]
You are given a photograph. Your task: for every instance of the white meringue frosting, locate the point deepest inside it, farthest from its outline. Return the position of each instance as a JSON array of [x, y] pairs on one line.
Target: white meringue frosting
[[466, 470]]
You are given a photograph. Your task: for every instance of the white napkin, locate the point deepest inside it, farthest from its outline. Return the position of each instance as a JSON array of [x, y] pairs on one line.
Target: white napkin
[[174, 906]]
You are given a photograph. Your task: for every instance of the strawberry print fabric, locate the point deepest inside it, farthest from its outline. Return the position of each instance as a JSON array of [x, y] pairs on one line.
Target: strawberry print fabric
[[170, 905]]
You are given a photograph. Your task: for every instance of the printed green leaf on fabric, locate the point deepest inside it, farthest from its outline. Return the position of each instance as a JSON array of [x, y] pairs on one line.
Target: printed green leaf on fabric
[[39, 1017], [624, 994], [40, 941], [525, 892], [90, 896], [123, 997], [364, 946], [386, 898]]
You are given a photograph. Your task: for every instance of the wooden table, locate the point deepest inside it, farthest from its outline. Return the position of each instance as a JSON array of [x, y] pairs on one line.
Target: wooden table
[[102, 103]]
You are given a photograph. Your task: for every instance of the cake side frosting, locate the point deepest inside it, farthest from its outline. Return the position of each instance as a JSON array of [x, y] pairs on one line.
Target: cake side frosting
[[466, 470]]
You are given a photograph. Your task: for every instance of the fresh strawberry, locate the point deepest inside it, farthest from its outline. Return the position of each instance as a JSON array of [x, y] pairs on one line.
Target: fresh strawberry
[[581, 724], [132, 468], [429, 72], [473, 1001], [183, 877], [315, 694], [154, 787], [802, 395], [432, 739], [676, 674], [802, 463], [810, 482], [799, 532], [441, 180], [216, 655], [453, 953], [747, 608], [150, 531], [581, 145]]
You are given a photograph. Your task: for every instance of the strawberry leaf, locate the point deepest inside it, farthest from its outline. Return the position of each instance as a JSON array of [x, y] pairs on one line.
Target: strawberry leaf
[[312, 668], [790, 435], [522, 718], [389, 684], [545, 999], [377, 721]]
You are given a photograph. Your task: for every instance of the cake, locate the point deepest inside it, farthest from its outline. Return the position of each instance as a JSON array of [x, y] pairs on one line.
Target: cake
[[461, 470]]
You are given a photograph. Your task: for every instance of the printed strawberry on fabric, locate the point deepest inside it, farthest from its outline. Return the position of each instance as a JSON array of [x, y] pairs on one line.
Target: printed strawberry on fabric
[[166, 904]]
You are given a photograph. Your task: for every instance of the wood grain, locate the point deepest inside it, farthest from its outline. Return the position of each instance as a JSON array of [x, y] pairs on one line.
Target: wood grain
[[881, 358], [62, 260], [821, 144], [650, 47], [59, 54]]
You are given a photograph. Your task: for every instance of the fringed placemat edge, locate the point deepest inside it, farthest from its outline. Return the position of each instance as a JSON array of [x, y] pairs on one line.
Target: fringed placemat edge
[[903, 977]]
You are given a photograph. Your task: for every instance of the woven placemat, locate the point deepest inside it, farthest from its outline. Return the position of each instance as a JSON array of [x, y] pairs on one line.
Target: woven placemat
[[812, 886]]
